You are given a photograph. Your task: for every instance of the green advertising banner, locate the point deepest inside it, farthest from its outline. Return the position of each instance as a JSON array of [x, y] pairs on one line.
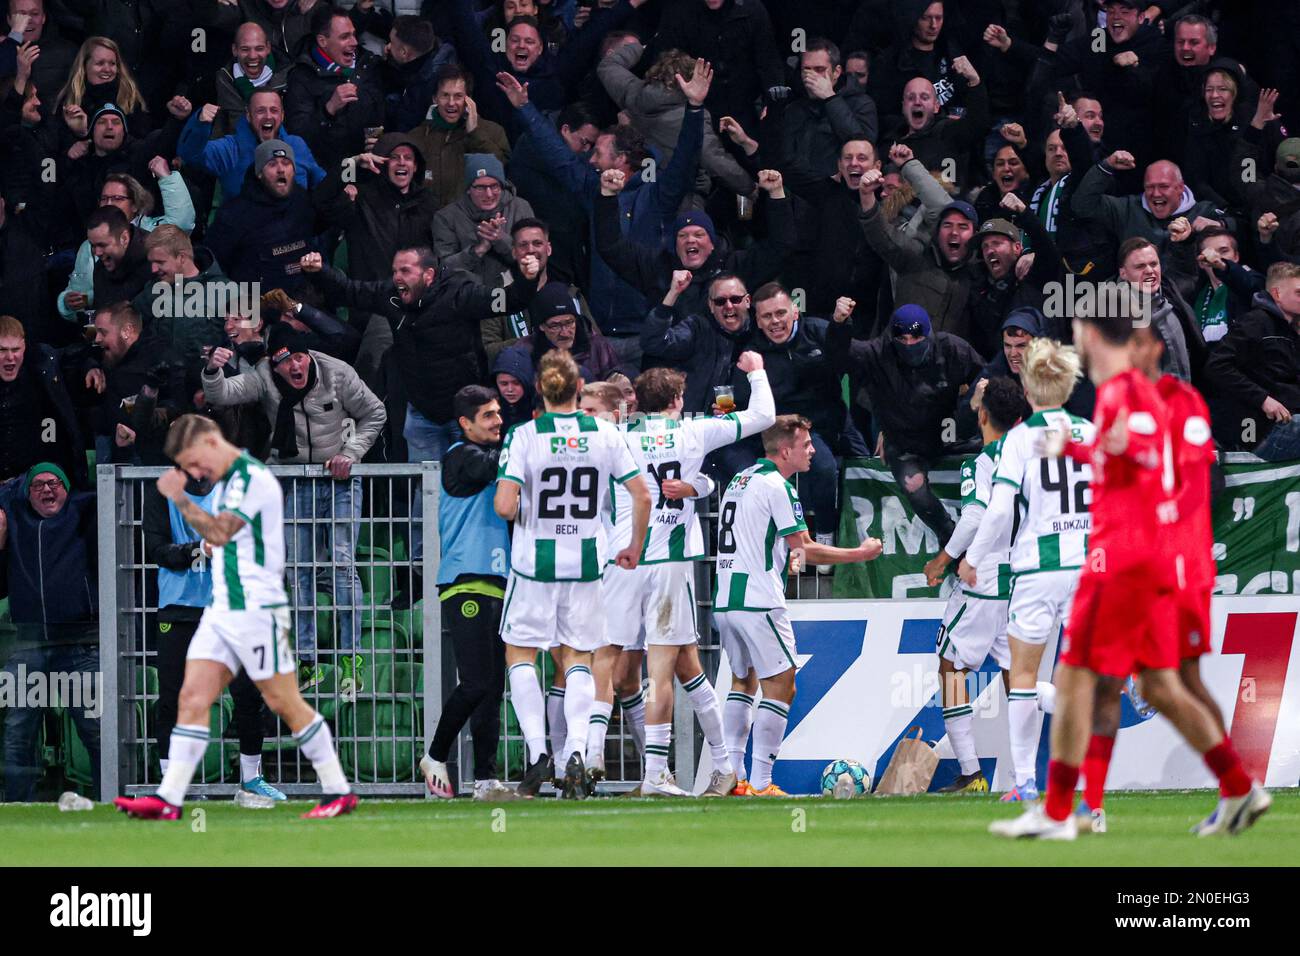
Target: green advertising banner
[[1256, 529]]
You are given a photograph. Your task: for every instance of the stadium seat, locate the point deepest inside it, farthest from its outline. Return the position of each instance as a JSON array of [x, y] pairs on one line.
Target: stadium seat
[[510, 751], [376, 578], [383, 635], [395, 745], [398, 679]]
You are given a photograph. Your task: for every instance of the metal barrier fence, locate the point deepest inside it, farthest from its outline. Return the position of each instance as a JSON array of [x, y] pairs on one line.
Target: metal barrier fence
[[382, 722]]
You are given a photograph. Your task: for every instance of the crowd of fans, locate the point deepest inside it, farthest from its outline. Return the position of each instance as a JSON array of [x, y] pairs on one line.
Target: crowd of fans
[[235, 206]]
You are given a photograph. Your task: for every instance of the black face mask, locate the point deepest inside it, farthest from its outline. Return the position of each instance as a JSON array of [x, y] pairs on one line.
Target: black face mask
[[1290, 173], [914, 355]]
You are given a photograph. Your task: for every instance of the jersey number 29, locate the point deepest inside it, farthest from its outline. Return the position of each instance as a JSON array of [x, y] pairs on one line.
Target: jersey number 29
[[582, 487]]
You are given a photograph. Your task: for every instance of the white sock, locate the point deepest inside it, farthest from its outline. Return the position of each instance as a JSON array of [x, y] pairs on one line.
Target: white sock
[[163, 763], [1026, 721], [634, 717], [250, 768], [656, 748], [555, 722], [185, 750], [596, 730], [957, 721], [769, 731], [579, 695], [737, 718], [526, 697], [317, 745], [705, 703]]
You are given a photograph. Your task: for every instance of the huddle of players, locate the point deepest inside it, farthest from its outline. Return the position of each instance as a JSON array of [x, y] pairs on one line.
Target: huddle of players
[[1104, 528], [603, 548]]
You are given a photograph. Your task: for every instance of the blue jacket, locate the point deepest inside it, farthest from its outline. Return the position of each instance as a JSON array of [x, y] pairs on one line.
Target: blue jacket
[[50, 562], [230, 157], [647, 209]]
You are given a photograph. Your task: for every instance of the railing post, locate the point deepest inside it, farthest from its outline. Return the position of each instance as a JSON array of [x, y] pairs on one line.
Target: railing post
[[110, 660], [430, 493]]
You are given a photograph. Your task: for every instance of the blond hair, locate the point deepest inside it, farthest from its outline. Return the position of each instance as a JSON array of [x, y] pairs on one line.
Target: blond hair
[[1049, 372], [557, 377], [607, 393], [186, 431], [128, 98], [782, 432], [171, 239]]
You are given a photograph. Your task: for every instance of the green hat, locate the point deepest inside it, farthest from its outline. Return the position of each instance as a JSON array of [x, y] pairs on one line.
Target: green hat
[[41, 468], [1288, 153]]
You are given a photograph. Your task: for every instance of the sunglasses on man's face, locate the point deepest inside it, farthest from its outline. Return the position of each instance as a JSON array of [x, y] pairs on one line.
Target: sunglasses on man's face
[[721, 300]]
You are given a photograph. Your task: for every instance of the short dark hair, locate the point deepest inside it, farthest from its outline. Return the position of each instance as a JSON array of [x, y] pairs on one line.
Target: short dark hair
[[628, 141], [109, 216], [858, 55], [450, 74], [724, 277], [1003, 400], [1214, 232], [823, 45], [527, 21], [428, 259], [1130, 246], [657, 387], [322, 19], [768, 290], [416, 33], [577, 115], [530, 222], [471, 398]]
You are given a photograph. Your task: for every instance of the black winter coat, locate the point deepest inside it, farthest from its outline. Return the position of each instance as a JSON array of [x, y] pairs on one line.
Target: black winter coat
[[259, 237], [800, 373], [333, 138], [698, 346]]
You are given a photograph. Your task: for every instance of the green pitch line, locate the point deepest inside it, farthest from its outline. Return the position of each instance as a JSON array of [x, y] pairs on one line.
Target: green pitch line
[[1146, 829]]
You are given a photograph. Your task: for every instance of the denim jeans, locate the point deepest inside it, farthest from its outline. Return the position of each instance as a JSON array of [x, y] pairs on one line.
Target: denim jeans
[[314, 545], [1282, 443], [425, 441], [22, 769]]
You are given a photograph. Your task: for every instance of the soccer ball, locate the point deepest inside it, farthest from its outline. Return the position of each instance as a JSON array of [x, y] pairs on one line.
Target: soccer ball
[[843, 779]]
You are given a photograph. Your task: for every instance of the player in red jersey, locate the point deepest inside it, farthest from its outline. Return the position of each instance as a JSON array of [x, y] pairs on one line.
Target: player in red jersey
[[1123, 615], [1191, 539]]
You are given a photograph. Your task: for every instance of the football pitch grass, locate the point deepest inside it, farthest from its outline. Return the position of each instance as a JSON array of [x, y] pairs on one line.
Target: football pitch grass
[[1146, 829]]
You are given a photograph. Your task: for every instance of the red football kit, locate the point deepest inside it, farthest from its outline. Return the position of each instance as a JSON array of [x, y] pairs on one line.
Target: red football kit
[[1123, 610], [1191, 536]]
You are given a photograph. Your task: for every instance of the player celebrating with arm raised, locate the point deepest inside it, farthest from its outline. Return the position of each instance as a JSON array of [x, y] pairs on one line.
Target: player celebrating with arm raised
[[247, 624], [975, 620], [555, 475], [659, 594], [1050, 543], [1123, 616], [759, 525]]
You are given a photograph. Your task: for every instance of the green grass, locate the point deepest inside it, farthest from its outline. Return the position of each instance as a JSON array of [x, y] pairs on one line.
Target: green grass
[[1146, 829]]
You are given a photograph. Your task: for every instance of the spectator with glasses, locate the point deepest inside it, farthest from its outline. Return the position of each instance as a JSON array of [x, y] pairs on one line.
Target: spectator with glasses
[[558, 323], [473, 233]]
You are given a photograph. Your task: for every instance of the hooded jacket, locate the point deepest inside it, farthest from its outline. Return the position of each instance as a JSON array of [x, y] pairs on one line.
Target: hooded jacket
[[229, 158], [909, 404], [381, 219], [259, 237], [894, 67], [925, 277], [435, 340], [455, 233], [1259, 358], [443, 151], [41, 367], [409, 88], [333, 138], [321, 420], [51, 562], [516, 362]]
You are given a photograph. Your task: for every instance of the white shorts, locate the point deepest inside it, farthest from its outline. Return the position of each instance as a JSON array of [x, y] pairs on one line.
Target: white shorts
[[758, 640], [653, 604], [1040, 604], [547, 613], [255, 640], [974, 627]]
